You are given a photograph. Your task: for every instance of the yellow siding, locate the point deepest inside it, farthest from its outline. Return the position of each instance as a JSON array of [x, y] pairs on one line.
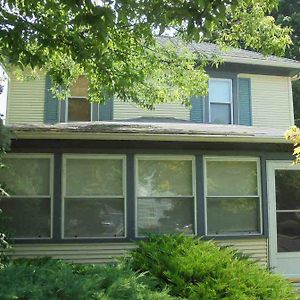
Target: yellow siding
[[271, 101], [26, 100], [255, 248], [107, 252], [125, 110]]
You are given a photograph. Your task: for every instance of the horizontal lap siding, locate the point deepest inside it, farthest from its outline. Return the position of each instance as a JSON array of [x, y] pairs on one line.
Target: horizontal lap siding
[[26, 100], [108, 252], [255, 248], [125, 110], [271, 101]]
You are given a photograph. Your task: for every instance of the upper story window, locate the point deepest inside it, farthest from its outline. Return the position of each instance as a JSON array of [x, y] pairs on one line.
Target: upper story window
[[220, 106], [78, 108]]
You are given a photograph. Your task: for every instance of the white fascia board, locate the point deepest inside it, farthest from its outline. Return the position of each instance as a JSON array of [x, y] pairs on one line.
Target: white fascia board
[[151, 137], [253, 61]]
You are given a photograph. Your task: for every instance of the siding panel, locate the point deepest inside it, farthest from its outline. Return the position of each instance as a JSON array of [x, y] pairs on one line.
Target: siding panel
[[126, 110], [107, 252], [26, 100], [270, 97]]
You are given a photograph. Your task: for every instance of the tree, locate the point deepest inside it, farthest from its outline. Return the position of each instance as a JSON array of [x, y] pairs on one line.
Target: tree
[[288, 15], [113, 42], [5, 139]]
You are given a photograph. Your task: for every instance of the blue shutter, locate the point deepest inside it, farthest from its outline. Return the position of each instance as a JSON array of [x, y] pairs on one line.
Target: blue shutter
[[245, 114], [197, 109], [106, 110], [51, 104]]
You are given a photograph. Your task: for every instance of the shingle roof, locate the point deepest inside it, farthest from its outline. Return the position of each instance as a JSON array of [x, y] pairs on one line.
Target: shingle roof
[[133, 130], [232, 54]]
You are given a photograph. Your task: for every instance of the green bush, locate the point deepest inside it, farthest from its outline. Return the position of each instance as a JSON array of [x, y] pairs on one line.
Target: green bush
[[44, 279], [196, 269]]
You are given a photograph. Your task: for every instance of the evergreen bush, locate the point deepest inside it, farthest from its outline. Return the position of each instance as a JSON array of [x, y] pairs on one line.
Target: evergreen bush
[[196, 269]]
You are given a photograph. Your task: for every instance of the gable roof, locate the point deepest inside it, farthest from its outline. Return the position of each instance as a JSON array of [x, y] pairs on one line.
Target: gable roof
[[234, 55]]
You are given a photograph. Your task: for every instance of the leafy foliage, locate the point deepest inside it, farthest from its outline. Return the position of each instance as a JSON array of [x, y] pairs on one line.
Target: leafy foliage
[[113, 42], [54, 279], [194, 269], [5, 139]]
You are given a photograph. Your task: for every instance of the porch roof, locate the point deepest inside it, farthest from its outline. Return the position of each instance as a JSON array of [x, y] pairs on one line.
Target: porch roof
[[143, 129]]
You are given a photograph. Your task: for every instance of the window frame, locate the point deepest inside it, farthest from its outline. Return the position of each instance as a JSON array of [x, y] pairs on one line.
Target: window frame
[[191, 158], [63, 193], [231, 103], [50, 157], [207, 158]]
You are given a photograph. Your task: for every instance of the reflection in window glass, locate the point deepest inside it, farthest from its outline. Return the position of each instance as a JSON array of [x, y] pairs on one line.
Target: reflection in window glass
[[94, 197], [79, 110], [231, 178], [220, 90], [232, 215], [27, 211], [94, 217], [288, 210], [90, 177], [27, 217], [165, 199], [220, 101], [220, 113], [232, 196]]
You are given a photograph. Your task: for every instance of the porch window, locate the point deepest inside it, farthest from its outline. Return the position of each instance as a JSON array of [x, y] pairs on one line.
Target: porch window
[[220, 101], [232, 194], [165, 195], [28, 180], [93, 196]]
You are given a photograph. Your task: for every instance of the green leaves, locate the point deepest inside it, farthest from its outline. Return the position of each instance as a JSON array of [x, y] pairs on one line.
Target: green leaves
[[113, 42]]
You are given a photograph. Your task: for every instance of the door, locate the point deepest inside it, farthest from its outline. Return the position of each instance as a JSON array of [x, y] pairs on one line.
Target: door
[[284, 217]]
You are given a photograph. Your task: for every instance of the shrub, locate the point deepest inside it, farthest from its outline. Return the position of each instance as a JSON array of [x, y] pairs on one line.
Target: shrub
[[196, 269], [55, 279]]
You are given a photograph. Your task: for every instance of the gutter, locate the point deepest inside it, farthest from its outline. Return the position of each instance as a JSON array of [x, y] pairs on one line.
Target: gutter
[[152, 137]]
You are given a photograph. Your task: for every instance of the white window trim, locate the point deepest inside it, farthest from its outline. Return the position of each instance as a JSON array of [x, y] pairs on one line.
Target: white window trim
[[67, 109], [259, 192], [165, 157], [51, 188], [215, 102], [63, 191]]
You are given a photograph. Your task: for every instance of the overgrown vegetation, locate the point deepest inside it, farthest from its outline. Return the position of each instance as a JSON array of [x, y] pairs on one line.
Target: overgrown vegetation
[[163, 268], [194, 269], [5, 140], [54, 279]]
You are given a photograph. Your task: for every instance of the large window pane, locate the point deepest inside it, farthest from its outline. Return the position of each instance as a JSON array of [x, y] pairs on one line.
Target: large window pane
[[220, 113], [220, 90], [165, 178], [231, 178], [90, 177], [94, 217], [27, 217], [79, 109], [94, 197], [232, 215], [26, 176], [165, 215], [287, 189]]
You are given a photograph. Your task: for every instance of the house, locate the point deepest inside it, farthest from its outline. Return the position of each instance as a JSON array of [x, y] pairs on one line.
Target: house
[[86, 179]]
